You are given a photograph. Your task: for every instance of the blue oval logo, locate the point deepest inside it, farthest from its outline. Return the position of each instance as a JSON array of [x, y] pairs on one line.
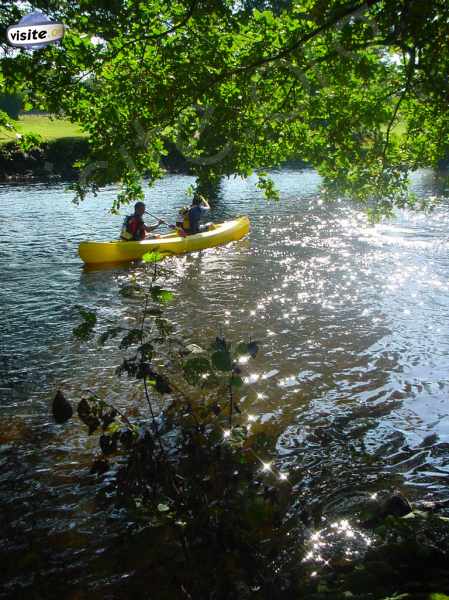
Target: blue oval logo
[[34, 31]]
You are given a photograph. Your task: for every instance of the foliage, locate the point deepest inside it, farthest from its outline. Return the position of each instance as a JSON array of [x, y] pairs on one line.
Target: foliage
[[25, 142], [276, 6], [5, 120], [193, 468], [85, 329], [29, 141], [10, 13], [407, 549], [243, 86]]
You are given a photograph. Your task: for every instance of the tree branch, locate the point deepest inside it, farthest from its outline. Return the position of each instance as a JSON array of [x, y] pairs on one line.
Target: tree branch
[[157, 36], [306, 38], [186, 19], [409, 77]]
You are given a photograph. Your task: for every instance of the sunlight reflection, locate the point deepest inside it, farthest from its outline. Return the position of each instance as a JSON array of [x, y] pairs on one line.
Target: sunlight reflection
[[252, 378], [337, 542], [244, 359]]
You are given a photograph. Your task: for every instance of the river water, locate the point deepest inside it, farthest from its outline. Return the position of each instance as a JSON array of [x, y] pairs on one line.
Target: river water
[[352, 321]]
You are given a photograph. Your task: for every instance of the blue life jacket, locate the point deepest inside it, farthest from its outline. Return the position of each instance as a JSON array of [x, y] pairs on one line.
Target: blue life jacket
[[195, 214]]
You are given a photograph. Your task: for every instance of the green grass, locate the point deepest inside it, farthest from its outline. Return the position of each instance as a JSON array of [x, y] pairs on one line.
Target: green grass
[[48, 128]]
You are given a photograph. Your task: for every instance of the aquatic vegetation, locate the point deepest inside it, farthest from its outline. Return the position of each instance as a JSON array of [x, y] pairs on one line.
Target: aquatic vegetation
[[199, 467]]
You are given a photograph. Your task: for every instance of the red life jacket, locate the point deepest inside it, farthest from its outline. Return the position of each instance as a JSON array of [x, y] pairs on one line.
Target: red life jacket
[[133, 229]]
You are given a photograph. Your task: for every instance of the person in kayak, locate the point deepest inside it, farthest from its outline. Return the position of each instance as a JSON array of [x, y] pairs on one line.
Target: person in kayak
[[134, 228], [188, 220]]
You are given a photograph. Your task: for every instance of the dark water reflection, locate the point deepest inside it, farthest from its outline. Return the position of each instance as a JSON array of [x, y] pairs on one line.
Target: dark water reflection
[[354, 363]]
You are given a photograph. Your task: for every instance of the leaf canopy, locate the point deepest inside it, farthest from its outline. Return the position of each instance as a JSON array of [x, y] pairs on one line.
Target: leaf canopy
[[357, 90]]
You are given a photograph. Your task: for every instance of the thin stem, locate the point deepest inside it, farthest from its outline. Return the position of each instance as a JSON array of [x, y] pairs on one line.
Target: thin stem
[[153, 416], [231, 405], [147, 298], [147, 395]]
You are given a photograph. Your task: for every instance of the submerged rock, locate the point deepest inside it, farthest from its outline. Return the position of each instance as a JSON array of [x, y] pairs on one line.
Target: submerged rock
[[396, 506], [62, 409]]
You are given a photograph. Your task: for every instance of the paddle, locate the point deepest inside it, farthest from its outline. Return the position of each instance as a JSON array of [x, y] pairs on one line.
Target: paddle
[[159, 219]]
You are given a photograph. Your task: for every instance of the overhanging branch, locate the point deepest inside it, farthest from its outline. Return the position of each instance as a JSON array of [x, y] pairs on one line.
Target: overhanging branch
[[308, 37], [409, 77]]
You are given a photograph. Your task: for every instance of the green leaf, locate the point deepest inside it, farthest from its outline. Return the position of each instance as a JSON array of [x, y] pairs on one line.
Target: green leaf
[[164, 326], [85, 329], [162, 385], [146, 350], [5, 121], [220, 344], [195, 368], [241, 349], [160, 295], [82, 332], [221, 360], [89, 316], [112, 332], [152, 257], [245, 348], [159, 382], [113, 427], [132, 337], [236, 381], [29, 141], [88, 415]]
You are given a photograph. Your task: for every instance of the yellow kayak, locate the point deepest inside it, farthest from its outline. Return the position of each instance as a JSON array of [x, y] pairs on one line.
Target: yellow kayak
[[172, 243]]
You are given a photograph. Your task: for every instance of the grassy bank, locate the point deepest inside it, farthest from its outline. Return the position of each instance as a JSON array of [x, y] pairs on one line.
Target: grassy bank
[[49, 128], [63, 144]]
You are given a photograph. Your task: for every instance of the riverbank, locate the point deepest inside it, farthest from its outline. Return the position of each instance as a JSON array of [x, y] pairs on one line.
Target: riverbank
[[51, 161], [63, 144], [55, 159]]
